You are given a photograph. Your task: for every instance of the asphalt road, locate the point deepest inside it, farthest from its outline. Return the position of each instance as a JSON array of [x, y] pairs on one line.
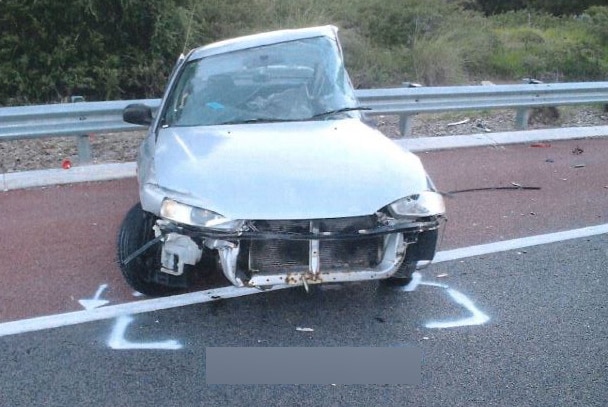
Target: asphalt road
[[544, 344], [531, 329]]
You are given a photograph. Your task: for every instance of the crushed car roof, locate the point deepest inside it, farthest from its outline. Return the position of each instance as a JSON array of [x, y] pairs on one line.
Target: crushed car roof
[[257, 40]]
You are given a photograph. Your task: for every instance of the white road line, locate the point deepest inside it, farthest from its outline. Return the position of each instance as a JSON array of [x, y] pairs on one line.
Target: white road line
[[515, 244], [129, 308], [156, 304]]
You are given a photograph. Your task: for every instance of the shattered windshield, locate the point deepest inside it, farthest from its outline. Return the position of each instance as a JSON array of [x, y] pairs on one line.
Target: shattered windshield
[[289, 81]]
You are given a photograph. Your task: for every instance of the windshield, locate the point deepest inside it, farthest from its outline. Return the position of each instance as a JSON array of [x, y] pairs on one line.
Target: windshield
[[289, 81]]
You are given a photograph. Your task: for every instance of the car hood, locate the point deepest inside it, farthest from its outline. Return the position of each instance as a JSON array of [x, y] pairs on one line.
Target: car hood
[[295, 170]]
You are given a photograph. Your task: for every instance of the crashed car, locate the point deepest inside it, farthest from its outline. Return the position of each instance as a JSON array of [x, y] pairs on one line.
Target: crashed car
[[259, 164]]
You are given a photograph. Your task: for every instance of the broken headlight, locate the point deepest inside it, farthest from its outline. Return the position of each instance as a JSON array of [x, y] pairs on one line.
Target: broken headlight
[[193, 216], [422, 205]]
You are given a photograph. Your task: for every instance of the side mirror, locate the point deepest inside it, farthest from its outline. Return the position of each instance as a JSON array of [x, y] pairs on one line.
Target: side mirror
[[137, 114]]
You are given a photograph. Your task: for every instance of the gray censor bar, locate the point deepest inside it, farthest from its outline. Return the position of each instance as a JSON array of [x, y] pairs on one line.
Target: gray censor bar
[[324, 365]]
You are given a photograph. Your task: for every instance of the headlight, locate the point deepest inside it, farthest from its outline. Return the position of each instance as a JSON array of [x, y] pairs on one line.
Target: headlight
[[190, 215], [424, 204]]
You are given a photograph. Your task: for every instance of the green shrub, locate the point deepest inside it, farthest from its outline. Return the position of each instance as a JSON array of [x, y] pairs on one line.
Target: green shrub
[[437, 62], [124, 49]]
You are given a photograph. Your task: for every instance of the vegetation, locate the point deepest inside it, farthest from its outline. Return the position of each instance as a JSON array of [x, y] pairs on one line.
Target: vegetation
[[124, 49]]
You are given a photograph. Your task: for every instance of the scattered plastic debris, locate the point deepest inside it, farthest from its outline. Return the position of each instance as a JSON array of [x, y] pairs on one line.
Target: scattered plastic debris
[[465, 121], [300, 329], [578, 166], [482, 125], [442, 275], [66, 164]]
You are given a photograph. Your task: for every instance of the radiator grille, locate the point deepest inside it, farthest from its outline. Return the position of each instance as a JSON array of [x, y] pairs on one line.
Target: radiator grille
[[284, 256]]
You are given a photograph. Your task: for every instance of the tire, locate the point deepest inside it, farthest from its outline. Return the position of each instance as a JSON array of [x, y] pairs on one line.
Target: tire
[[423, 249], [403, 276], [135, 231]]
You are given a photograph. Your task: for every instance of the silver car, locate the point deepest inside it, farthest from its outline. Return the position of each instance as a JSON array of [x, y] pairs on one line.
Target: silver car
[[259, 164]]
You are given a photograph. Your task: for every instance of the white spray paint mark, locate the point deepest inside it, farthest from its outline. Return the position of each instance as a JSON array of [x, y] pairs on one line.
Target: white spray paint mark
[[477, 317], [117, 339], [95, 302], [416, 280]]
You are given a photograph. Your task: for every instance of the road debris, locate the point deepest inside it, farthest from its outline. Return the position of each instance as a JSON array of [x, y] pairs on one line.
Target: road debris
[[578, 166], [540, 145], [480, 124], [577, 151], [300, 329], [465, 121]]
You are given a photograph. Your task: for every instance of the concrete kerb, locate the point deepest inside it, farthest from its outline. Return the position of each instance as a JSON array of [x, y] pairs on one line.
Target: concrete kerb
[[106, 172], [88, 173]]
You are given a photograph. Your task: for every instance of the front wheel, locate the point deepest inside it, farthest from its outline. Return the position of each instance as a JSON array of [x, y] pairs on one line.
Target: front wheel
[[135, 231], [423, 250], [403, 276]]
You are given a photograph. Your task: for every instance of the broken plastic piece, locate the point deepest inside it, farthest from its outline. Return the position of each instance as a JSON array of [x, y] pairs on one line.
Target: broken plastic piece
[[66, 164], [300, 329], [465, 121]]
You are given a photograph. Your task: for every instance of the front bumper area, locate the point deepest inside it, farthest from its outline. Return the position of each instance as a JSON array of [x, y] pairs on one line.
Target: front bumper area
[[270, 253]]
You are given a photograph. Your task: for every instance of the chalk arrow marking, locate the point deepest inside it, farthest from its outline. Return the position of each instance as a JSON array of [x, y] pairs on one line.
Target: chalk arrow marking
[[117, 340], [95, 302]]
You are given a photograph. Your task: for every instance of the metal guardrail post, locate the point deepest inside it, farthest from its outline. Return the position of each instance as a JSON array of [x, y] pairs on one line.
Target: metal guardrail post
[[405, 119], [84, 141], [522, 117], [405, 125]]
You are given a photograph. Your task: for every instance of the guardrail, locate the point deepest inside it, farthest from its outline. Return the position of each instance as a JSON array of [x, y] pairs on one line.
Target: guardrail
[[81, 119]]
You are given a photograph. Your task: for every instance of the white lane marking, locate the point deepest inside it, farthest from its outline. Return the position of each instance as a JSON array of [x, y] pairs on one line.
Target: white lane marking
[[128, 308], [477, 317], [117, 339], [137, 307], [515, 244], [95, 302]]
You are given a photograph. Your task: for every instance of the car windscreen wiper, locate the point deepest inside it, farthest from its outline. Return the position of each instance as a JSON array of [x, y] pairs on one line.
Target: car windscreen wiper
[[336, 111], [257, 120]]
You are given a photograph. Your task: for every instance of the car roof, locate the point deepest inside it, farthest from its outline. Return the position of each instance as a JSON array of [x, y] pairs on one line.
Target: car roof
[[256, 40]]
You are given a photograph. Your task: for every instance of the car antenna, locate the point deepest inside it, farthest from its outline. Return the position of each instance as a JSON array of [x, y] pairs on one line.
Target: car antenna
[[189, 28]]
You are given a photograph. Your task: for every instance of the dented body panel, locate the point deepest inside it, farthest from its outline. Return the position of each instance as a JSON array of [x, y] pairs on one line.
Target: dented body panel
[[309, 170]]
